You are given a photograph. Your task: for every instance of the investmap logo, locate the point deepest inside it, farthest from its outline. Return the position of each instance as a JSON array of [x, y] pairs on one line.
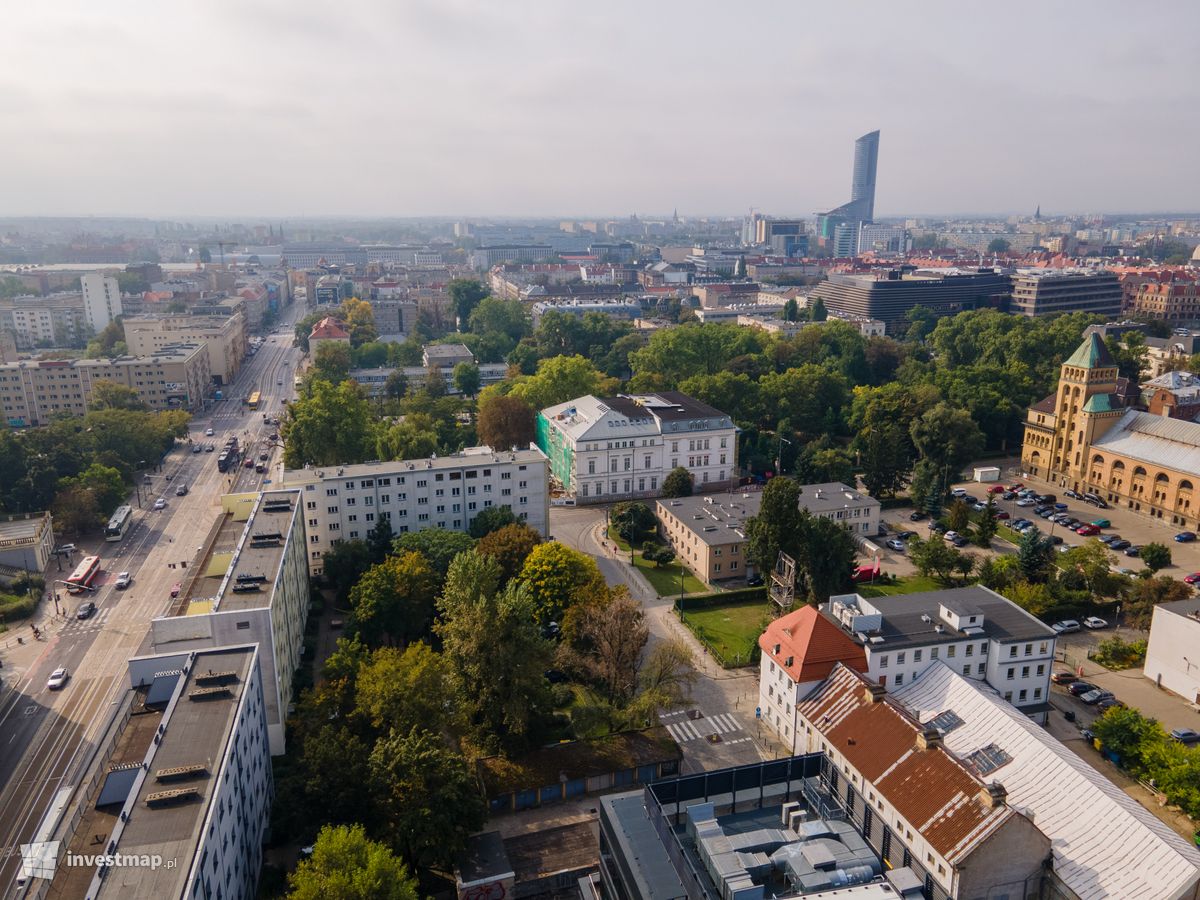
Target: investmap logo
[[41, 860]]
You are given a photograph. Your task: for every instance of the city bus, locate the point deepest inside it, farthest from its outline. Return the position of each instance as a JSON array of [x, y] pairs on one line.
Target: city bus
[[83, 576], [254, 400], [119, 523]]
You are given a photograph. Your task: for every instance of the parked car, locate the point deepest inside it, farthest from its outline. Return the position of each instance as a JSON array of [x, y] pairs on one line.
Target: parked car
[[1185, 735], [1093, 697], [1087, 530], [959, 492], [906, 535], [1063, 677], [1075, 688], [1066, 626], [950, 535], [1015, 486], [1056, 539], [1108, 538], [1106, 703], [979, 507], [1119, 544], [86, 609], [1133, 551], [1008, 495], [1026, 501], [1001, 515], [181, 491], [1094, 622], [754, 581], [896, 544], [917, 516], [1102, 523], [160, 503], [959, 541], [58, 679], [124, 580], [1185, 537], [937, 528], [1194, 578], [175, 589], [996, 489], [1047, 498], [1072, 494]]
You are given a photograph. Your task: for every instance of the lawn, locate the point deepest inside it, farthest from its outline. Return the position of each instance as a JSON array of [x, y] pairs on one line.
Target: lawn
[[912, 584], [664, 579], [730, 632]]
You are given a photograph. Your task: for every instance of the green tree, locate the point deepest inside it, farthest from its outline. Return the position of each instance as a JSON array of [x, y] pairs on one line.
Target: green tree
[[921, 322], [1127, 733], [393, 600], [1090, 563], [329, 425], [104, 483], [1131, 354], [490, 519], [947, 437], [937, 558], [396, 385], [345, 865], [111, 395], [331, 362], [886, 462], [438, 545], [504, 422], [678, 483], [76, 511], [1156, 556], [958, 518], [466, 378], [827, 557], [632, 520], [358, 318], [343, 564], [791, 310], [401, 690], [615, 634], [205, 255], [817, 311], [110, 342], [371, 355], [777, 526], [333, 769], [510, 546], [416, 437], [820, 463], [465, 295], [998, 245], [809, 396], [379, 540], [562, 378], [1148, 593], [1035, 599], [556, 577], [659, 554], [1034, 553], [665, 678], [487, 632], [985, 528]]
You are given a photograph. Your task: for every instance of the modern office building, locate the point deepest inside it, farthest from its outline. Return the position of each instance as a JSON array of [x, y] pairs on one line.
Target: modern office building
[[618, 448], [101, 300], [176, 377], [247, 584], [224, 337], [346, 502], [708, 531], [1087, 436], [178, 789], [1046, 292], [889, 295], [861, 207]]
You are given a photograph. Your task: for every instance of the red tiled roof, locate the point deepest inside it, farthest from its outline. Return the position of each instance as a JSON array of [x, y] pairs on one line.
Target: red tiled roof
[[935, 792], [328, 329], [812, 643]]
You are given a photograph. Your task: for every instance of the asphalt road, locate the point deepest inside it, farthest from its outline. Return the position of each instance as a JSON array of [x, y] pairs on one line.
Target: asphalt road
[[47, 737]]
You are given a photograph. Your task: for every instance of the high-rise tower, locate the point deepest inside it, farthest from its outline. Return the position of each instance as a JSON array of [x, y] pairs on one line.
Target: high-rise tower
[[862, 187]]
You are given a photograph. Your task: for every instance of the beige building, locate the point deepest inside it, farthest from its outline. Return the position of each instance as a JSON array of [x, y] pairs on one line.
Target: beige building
[[1085, 437], [31, 391], [223, 338], [26, 544], [1177, 301], [709, 532]]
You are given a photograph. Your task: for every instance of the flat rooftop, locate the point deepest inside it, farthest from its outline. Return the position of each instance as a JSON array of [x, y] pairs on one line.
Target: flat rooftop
[[471, 456], [198, 729], [22, 529], [237, 567]]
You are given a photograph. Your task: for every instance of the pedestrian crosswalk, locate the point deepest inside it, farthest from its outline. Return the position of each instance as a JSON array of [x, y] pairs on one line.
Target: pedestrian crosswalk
[[688, 729], [95, 623]]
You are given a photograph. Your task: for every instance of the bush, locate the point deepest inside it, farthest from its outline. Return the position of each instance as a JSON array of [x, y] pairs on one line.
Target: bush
[[12, 607], [1116, 653]]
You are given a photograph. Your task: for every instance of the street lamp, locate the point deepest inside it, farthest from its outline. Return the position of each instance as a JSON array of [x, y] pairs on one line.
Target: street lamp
[[779, 455]]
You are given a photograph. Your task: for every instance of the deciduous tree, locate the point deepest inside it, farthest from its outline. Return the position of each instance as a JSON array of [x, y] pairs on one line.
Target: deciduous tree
[[510, 546], [345, 865], [1156, 556], [556, 577], [438, 545], [331, 425], [405, 689], [678, 483], [393, 601], [490, 519]]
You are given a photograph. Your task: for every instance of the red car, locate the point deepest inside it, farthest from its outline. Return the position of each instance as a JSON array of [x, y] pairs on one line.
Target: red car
[[1002, 515], [1015, 487], [1194, 578], [996, 489], [1087, 530]]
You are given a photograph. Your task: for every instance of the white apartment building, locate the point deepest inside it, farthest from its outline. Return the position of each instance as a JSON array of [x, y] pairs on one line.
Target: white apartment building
[[346, 502], [101, 300], [618, 448], [974, 630]]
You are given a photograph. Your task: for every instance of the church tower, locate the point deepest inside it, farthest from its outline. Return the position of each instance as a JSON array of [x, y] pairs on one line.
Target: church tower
[[1087, 404]]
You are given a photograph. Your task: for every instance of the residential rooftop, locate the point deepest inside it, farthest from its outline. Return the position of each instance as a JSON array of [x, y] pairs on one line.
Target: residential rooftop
[[22, 528], [716, 519], [470, 456]]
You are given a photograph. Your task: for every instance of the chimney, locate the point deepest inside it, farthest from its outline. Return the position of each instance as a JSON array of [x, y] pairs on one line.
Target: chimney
[[929, 738], [875, 693], [993, 795]]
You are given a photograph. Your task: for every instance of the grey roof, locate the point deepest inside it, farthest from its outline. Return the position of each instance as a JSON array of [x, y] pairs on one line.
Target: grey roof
[[903, 627], [484, 858], [641, 847], [1189, 607], [716, 519], [832, 495], [1141, 436], [447, 350]]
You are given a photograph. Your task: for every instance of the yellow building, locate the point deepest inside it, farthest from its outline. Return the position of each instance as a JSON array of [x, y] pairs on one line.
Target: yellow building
[[1087, 438]]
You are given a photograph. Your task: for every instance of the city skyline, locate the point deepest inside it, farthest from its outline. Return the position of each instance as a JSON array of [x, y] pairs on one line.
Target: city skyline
[[457, 109]]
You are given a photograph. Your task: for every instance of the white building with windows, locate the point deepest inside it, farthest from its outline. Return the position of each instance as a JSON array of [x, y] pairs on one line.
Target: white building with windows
[[618, 448], [973, 630], [346, 502], [101, 300]]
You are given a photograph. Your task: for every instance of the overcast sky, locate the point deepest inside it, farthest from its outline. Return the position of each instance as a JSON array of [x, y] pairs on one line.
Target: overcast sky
[[449, 107]]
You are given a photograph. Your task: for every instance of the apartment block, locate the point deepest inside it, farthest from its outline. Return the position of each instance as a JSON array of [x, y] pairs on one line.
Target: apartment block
[[1174, 301], [224, 339], [346, 502], [181, 776], [177, 377], [54, 321], [101, 300], [248, 583]]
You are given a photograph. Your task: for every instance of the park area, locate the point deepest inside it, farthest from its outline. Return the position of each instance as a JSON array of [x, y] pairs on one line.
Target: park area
[[729, 630], [663, 577]]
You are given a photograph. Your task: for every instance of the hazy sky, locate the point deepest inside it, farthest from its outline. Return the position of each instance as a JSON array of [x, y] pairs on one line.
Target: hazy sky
[[448, 107]]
